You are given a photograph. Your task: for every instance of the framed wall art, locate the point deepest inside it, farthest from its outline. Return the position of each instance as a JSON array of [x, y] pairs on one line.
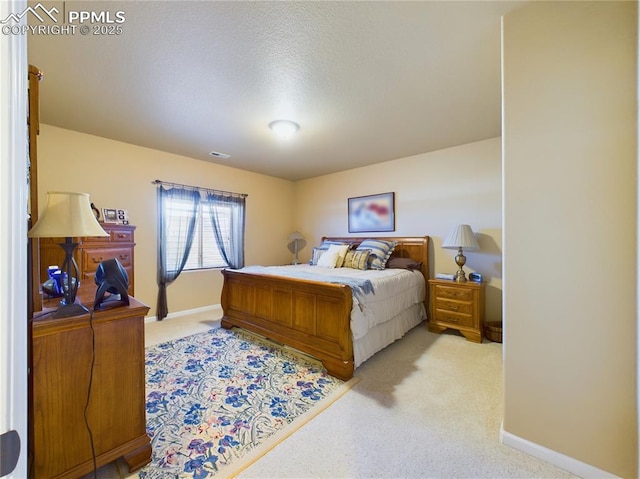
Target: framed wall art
[[372, 213]]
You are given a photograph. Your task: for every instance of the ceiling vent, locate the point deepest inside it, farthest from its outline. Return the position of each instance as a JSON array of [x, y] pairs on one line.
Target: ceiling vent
[[217, 154]]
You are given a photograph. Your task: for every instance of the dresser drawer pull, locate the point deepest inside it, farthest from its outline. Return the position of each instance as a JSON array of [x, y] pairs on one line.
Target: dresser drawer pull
[[97, 260], [124, 257], [122, 235]]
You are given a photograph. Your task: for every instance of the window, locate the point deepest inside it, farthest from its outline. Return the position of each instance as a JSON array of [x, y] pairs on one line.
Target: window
[[205, 252]]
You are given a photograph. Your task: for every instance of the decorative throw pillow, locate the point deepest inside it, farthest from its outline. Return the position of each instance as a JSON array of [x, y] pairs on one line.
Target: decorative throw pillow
[[315, 255], [334, 256], [342, 252], [318, 250], [403, 263], [328, 259], [356, 259], [380, 251]]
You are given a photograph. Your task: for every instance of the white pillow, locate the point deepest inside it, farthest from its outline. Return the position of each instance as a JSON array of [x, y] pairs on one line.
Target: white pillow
[[328, 259]]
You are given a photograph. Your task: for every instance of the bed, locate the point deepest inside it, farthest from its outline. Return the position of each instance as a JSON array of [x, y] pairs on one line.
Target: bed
[[315, 316]]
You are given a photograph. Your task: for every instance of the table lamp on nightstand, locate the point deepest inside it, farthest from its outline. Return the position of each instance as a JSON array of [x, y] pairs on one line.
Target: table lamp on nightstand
[[461, 237], [68, 215]]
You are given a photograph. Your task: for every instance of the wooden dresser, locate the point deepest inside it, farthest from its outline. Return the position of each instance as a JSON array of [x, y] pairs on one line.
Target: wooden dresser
[[457, 306], [61, 373], [91, 252]]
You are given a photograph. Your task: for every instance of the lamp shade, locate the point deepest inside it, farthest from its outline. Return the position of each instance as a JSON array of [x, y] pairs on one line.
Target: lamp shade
[[67, 215], [461, 236], [296, 235]]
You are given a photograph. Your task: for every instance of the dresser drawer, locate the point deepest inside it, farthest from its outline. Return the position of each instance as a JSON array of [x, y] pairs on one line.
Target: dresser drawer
[[121, 236], [451, 317], [92, 258], [117, 234], [449, 292]]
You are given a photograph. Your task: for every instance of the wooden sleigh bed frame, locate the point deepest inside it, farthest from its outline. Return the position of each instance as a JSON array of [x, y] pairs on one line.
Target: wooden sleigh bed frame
[[310, 316]]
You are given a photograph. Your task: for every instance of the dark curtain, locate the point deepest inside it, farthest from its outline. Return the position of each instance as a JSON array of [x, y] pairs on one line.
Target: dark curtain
[[177, 212], [231, 243]]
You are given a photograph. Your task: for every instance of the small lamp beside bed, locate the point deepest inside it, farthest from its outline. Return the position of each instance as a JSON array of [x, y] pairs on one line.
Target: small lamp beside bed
[[461, 237], [297, 242]]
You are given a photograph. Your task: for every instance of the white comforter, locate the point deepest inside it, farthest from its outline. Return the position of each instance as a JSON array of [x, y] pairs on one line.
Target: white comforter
[[395, 290]]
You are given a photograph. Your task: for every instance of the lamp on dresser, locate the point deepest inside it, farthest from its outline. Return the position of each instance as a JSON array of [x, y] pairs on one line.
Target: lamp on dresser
[[458, 238], [68, 215]]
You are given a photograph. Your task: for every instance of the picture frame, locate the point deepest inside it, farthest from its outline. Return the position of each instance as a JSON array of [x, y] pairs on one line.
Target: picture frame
[[109, 215], [372, 213], [114, 215]]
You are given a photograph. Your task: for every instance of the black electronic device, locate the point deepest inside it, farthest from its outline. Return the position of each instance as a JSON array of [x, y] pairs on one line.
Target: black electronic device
[[477, 277], [113, 283]]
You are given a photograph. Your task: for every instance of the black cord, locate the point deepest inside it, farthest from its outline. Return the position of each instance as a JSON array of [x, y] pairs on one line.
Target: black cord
[[86, 406]]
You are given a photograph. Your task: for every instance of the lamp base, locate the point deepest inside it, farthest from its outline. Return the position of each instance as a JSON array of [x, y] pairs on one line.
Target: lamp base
[[68, 310], [460, 277], [460, 261]]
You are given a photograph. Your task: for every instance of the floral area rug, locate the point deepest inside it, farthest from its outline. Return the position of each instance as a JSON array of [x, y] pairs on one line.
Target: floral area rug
[[213, 397]]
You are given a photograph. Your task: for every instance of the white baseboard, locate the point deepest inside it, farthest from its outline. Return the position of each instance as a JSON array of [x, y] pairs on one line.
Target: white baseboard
[[567, 463], [177, 314]]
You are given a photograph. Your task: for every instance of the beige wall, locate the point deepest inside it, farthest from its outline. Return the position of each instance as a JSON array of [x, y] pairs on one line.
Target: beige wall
[[569, 230], [119, 175], [433, 192]]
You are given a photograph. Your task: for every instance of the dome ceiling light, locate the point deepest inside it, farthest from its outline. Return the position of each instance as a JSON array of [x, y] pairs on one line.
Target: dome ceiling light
[[284, 128]]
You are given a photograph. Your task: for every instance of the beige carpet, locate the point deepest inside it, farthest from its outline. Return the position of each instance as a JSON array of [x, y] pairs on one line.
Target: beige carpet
[[428, 406]]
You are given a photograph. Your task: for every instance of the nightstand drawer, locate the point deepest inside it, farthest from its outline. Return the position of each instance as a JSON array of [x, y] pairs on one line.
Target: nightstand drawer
[[458, 319], [450, 292], [465, 307]]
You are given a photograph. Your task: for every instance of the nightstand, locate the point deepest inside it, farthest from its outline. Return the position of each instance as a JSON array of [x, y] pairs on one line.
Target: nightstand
[[457, 306]]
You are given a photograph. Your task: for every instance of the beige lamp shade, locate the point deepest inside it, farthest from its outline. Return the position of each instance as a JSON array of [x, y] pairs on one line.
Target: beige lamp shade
[[67, 215], [458, 238], [461, 236]]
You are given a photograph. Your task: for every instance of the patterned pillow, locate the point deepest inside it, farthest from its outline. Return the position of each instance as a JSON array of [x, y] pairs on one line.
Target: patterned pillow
[[315, 255], [380, 251], [342, 252], [356, 259]]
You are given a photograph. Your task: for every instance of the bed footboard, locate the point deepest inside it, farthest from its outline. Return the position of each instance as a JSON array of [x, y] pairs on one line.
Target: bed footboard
[[310, 316]]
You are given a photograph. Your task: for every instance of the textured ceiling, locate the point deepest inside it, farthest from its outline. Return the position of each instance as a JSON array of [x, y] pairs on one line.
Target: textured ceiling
[[367, 81]]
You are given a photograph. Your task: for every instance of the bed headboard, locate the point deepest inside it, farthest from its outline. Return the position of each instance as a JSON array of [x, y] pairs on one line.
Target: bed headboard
[[414, 247]]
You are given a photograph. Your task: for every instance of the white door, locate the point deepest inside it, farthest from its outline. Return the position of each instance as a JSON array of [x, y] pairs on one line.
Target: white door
[[13, 241]]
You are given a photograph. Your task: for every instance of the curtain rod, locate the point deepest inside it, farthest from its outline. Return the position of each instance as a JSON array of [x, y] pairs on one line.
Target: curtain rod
[[199, 188]]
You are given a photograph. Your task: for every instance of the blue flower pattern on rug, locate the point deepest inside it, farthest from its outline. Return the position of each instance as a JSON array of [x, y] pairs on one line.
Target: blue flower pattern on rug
[[215, 396]]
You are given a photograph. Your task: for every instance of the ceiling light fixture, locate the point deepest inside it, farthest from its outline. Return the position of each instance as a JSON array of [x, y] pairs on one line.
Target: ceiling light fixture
[[284, 128]]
